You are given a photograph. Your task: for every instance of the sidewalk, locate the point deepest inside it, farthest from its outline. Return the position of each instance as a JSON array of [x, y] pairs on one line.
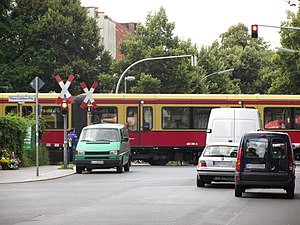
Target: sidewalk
[[29, 174]]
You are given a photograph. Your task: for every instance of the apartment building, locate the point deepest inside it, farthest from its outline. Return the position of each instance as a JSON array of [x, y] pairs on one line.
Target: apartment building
[[111, 32]]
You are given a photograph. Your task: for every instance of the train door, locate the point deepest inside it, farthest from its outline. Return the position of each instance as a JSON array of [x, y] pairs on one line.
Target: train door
[[139, 121]]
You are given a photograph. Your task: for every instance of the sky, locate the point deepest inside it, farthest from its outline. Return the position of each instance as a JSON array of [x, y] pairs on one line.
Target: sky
[[202, 21]]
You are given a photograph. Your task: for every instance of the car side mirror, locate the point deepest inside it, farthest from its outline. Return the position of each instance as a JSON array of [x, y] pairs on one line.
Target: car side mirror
[[125, 139], [208, 131]]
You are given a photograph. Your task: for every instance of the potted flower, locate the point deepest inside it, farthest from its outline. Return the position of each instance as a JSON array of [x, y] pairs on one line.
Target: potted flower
[[14, 162], [4, 162], [4, 159]]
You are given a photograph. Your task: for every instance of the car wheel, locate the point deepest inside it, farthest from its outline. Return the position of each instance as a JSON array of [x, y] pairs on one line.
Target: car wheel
[[290, 192], [200, 182], [79, 169], [120, 169], [238, 191], [127, 166]]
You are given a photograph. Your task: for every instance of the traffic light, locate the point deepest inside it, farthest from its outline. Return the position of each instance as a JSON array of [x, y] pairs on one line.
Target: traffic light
[[254, 30], [89, 108], [64, 107]]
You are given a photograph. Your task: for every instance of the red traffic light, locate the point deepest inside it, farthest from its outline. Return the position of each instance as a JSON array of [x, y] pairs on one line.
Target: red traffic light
[[254, 31], [64, 107], [89, 108]]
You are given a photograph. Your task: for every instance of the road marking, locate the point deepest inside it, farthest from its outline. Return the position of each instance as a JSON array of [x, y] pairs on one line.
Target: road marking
[[37, 218]]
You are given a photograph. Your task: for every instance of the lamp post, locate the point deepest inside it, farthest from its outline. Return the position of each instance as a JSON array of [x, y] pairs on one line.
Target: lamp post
[[193, 59], [286, 50], [217, 73], [129, 78]]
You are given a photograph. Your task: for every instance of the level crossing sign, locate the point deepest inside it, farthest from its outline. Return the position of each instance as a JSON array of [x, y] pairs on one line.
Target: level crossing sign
[[88, 98], [64, 92]]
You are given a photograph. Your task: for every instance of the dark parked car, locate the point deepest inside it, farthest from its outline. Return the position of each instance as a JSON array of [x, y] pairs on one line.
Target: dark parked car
[[265, 160]]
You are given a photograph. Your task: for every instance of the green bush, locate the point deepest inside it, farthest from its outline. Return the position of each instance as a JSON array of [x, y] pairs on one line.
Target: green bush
[[13, 131], [29, 157]]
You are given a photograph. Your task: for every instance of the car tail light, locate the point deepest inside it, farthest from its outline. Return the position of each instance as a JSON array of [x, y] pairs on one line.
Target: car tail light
[[238, 160], [238, 165], [202, 163], [291, 165], [291, 161]]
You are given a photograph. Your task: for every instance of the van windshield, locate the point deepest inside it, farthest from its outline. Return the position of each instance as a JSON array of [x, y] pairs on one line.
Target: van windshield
[[256, 148], [99, 134]]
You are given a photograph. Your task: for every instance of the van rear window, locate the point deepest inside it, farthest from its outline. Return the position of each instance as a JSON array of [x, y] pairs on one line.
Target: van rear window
[[256, 148], [278, 150]]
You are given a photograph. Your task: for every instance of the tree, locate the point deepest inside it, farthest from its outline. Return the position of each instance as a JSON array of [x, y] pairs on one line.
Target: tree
[[147, 84], [156, 39], [249, 57], [50, 37], [210, 59], [287, 79]]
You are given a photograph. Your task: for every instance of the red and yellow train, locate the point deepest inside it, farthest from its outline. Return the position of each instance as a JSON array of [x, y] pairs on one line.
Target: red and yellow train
[[162, 127]]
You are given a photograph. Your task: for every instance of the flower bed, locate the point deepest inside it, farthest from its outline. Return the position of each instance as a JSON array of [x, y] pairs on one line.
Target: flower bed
[[8, 160]]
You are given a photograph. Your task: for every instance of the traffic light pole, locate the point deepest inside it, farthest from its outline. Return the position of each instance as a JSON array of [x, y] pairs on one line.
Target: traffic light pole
[[65, 141], [289, 28], [89, 118]]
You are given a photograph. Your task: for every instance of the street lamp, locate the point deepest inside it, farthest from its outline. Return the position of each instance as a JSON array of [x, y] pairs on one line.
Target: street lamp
[[193, 60], [129, 78], [217, 73], [287, 50]]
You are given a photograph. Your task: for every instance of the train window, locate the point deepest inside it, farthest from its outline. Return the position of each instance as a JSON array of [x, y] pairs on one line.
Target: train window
[[105, 115], [26, 110], [278, 118], [297, 118], [53, 117], [148, 118], [175, 117], [11, 109], [200, 117], [132, 118]]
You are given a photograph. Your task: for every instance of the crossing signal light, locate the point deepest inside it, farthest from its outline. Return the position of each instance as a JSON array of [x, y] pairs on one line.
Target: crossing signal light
[[254, 31], [64, 107], [89, 108]]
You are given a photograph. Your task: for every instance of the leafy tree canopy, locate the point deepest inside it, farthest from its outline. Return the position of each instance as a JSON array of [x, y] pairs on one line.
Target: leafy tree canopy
[[156, 39], [48, 37]]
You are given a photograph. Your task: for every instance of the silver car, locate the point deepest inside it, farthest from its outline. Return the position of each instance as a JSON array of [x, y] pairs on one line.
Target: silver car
[[217, 163]]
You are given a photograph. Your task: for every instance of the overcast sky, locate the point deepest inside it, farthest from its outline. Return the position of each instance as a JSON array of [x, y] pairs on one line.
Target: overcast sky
[[202, 20]]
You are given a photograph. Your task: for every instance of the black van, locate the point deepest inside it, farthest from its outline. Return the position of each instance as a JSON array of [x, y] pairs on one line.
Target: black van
[[265, 160]]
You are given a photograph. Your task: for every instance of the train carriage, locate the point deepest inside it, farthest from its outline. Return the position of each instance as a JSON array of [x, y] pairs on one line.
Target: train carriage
[[162, 127]]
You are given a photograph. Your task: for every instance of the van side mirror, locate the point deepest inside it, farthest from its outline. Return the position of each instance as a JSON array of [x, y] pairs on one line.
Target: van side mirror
[[125, 139], [208, 131]]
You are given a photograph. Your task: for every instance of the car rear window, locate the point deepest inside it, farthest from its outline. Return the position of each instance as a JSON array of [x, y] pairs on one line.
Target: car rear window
[[256, 148], [221, 151]]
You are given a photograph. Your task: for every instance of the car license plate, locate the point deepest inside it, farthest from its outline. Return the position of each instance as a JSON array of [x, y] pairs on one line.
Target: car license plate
[[222, 164], [101, 162], [255, 166]]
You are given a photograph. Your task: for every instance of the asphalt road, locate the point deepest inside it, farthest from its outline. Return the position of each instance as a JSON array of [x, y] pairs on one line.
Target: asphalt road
[[147, 195]]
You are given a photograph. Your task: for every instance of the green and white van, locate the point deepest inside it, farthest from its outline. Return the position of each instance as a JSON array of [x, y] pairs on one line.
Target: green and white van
[[103, 146]]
